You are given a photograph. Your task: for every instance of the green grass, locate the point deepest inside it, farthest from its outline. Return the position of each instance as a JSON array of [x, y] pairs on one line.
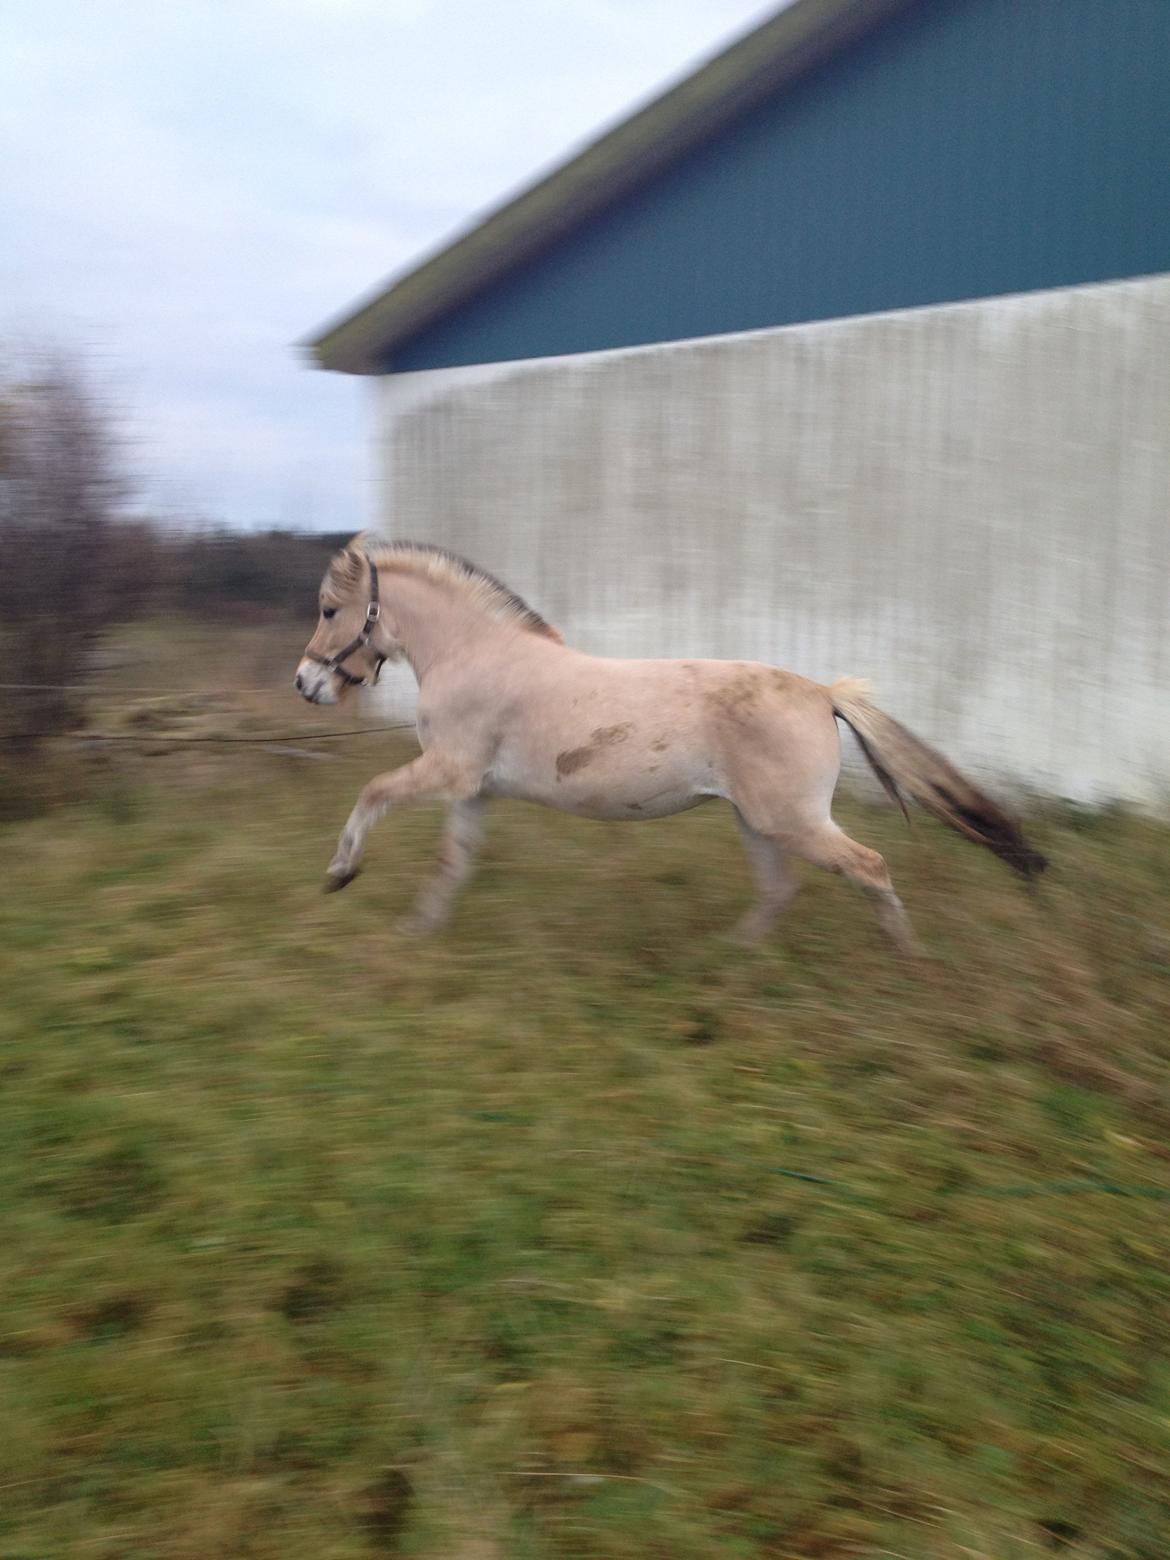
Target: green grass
[[319, 1244]]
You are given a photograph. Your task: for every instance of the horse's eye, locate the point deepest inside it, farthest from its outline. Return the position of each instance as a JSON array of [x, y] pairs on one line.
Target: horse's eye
[[328, 612]]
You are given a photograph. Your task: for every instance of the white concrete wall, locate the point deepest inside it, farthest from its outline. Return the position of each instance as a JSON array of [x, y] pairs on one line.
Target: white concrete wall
[[969, 505]]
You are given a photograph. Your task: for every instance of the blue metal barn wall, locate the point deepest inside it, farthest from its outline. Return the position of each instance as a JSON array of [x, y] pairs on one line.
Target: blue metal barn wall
[[970, 148]]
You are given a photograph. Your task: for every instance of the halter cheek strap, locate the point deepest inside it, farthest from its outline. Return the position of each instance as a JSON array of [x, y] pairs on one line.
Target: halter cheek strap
[[333, 664]]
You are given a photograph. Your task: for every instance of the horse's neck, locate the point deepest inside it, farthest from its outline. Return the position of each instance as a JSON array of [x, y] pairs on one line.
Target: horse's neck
[[435, 620]]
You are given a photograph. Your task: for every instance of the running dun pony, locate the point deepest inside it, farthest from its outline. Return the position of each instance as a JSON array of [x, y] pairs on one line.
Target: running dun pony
[[506, 708]]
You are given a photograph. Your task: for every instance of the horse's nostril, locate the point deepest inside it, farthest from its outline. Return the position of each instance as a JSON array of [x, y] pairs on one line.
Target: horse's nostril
[[299, 683]]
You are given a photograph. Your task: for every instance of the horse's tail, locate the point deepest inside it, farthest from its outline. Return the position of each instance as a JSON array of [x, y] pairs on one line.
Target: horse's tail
[[907, 767]]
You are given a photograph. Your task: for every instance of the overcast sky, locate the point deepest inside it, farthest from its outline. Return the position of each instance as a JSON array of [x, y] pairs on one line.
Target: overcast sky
[[190, 187]]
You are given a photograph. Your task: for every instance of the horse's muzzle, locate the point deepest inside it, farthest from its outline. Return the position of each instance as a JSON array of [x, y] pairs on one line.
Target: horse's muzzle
[[314, 683]]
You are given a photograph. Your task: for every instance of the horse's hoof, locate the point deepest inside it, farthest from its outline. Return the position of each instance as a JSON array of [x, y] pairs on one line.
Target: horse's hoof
[[337, 880]]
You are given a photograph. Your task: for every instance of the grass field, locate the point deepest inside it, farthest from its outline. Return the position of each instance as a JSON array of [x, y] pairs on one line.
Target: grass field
[[575, 1232]]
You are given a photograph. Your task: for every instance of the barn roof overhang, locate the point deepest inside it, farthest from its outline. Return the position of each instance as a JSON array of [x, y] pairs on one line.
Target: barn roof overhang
[[783, 48]]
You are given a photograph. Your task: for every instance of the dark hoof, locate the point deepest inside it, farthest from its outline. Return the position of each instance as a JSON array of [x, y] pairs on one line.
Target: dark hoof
[[336, 881]]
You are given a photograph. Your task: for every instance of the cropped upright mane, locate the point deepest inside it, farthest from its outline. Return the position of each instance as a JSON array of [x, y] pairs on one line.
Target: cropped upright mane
[[436, 563]]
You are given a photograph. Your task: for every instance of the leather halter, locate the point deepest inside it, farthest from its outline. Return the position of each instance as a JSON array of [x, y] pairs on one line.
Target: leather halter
[[332, 663]]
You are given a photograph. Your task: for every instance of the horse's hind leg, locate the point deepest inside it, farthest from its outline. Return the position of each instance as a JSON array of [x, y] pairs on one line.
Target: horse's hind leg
[[831, 848], [457, 852], [775, 885]]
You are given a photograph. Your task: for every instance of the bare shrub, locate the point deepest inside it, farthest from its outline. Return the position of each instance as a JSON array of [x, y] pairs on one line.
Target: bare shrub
[[68, 566]]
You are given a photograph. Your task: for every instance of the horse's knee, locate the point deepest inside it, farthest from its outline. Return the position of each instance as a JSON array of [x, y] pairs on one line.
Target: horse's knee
[[373, 795]]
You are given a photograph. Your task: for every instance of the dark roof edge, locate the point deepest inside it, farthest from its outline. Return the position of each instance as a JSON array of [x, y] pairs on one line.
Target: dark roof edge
[[779, 50]]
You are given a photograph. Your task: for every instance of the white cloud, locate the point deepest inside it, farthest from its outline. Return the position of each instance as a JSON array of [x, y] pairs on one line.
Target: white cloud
[[191, 189]]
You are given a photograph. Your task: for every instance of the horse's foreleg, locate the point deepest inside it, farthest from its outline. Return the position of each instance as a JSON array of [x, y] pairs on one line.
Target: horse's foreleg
[[429, 778], [457, 852], [775, 885]]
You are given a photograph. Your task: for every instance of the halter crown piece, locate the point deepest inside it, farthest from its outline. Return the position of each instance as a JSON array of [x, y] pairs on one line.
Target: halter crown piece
[[332, 663]]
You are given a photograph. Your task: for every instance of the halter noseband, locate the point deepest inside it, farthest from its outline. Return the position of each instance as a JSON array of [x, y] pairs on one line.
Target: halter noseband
[[332, 663]]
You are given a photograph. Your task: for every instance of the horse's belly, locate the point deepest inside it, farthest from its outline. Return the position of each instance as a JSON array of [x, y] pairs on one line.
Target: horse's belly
[[631, 808], [609, 791]]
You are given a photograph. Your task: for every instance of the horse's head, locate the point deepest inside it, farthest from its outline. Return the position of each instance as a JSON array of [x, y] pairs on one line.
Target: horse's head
[[351, 641]]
